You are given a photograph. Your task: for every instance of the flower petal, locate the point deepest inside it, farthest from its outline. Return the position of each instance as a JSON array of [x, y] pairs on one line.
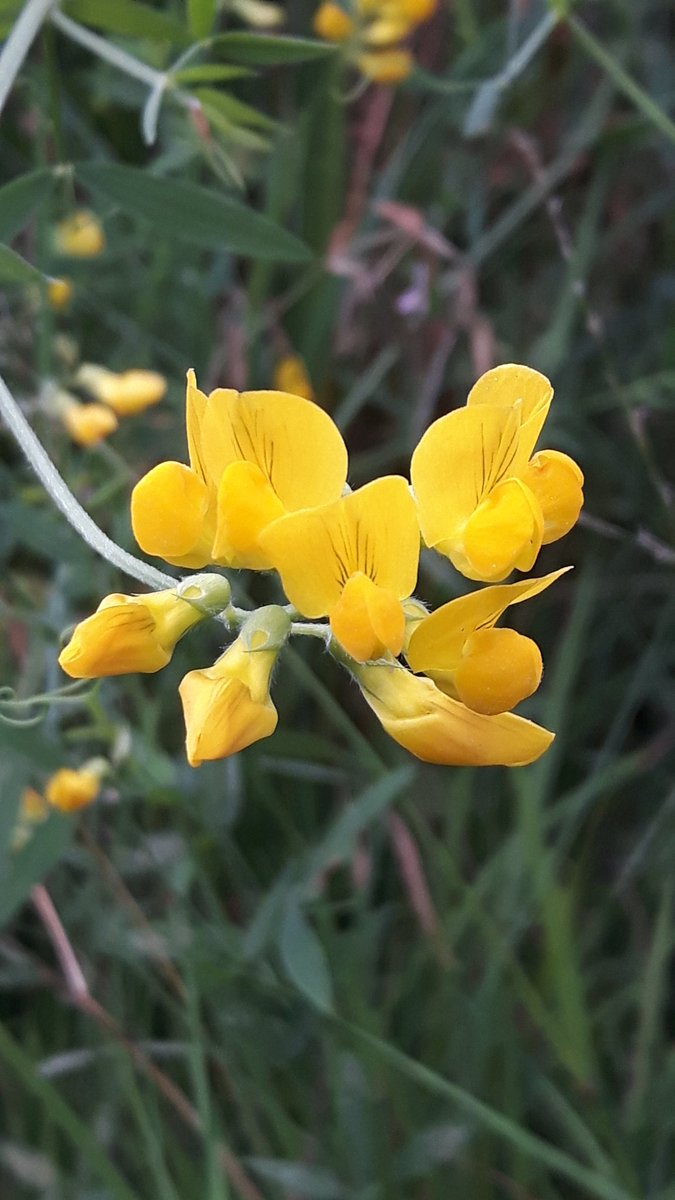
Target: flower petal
[[437, 641], [169, 515], [246, 505], [557, 482], [503, 534], [367, 620], [296, 445], [457, 463], [498, 669], [438, 729], [516, 386], [373, 530]]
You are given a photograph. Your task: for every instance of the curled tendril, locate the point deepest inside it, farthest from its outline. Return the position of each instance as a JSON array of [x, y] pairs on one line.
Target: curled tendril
[[24, 713]]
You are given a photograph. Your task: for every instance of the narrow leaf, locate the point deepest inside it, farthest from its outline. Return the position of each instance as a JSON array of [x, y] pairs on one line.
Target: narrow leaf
[[303, 957]]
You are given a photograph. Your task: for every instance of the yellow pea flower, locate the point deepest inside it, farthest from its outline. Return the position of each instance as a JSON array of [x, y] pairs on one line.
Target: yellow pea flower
[[254, 456], [332, 23], [70, 790], [126, 393], [128, 633], [438, 729], [291, 376], [386, 66], [228, 706], [354, 561], [60, 293], [33, 808], [490, 670], [483, 499], [80, 235], [88, 424]]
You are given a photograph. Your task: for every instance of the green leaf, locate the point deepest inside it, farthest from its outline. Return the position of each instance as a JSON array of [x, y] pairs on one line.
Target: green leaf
[[19, 198], [299, 1179], [15, 269], [234, 110], [29, 866], [265, 50], [201, 16], [126, 17], [190, 213], [303, 957], [210, 73]]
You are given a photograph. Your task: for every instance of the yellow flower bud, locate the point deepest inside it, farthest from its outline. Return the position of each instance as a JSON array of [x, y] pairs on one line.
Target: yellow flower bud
[[80, 235], [128, 634], [126, 393], [332, 23], [387, 66], [259, 13], [415, 11], [228, 706], [33, 807], [59, 293], [439, 729], [386, 31], [88, 424], [291, 376], [70, 790]]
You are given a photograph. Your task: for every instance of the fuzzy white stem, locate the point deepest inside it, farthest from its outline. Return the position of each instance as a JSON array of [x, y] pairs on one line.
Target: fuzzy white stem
[[19, 42]]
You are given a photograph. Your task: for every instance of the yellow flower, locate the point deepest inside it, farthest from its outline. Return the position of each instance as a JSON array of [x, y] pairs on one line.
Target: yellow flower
[[60, 293], [88, 424], [228, 706], [483, 499], [128, 633], [490, 670], [354, 561], [332, 23], [438, 729], [33, 807], [126, 393], [80, 235], [259, 13], [254, 456], [70, 790], [291, 376], [386, 66]]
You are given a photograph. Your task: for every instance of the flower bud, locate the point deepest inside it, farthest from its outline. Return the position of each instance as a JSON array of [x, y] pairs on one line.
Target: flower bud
[[70, 790], [59, 293], [332, 23], [127, 634], [79, 235], [126, 393]]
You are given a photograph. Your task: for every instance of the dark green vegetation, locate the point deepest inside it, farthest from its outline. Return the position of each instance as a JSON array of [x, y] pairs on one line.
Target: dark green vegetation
[[322, 970]]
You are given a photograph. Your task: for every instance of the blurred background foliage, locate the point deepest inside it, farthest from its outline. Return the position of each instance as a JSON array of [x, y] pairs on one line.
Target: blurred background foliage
[[322, 970]]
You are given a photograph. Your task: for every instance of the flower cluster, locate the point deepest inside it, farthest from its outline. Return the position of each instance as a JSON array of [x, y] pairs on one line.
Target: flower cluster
[[266, 490], [68, 790], [373, 34], [114, 395]]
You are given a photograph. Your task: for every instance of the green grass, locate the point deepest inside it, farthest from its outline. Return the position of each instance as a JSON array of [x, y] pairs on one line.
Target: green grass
[[276, 1008]]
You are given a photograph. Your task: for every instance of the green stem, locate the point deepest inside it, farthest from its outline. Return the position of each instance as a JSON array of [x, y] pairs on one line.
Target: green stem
[[19, 43]]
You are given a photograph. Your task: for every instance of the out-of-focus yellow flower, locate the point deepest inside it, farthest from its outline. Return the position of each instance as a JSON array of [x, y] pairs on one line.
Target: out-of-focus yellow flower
[[291, 376], [33, 808], [80, 235], [128, 633], [126, 393], [354, 561], [253, 457], [438, 729], [260, 14], [228, 706], [483, 499], [60, 293], [386, 66], [88, 424], [332, 23], [490, 670], [70, 790]]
